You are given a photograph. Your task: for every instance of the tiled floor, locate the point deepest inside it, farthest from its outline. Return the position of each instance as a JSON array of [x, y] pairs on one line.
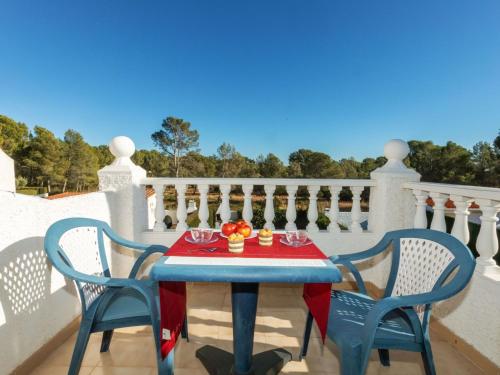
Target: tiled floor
[[280, 323]]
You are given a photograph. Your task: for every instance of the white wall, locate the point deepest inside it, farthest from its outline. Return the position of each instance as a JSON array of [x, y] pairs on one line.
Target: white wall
[[7, 176], [36, 302]]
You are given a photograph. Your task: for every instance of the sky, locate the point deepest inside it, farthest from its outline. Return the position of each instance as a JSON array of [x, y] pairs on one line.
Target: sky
[[341, 77]]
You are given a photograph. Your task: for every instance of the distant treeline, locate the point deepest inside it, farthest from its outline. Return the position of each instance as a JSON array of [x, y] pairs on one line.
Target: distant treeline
[[45, 161]]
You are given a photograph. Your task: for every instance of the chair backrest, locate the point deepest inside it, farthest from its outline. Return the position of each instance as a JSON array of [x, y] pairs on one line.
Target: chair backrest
[[426, 261], [75, 246]]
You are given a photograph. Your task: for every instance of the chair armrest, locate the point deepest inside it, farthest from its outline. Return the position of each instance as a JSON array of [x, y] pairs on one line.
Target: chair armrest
[[357, 276], [147, 252]]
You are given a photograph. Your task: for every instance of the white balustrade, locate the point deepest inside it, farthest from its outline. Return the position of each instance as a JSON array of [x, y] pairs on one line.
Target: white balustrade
[[203, 212], [438, 219], [333, 214], [420, 220], [269, 209], [159, 209], [487, 241], [312, 212], [247, 213], [356, 209], [181, 207], [488, 200], [461, 227], [225, 208], [291, 210]]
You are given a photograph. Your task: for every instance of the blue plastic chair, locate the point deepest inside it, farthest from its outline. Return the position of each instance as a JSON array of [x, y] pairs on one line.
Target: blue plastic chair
[[427, 266], [76, 247]]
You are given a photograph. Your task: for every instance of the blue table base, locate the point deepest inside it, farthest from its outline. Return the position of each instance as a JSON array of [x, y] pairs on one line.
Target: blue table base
[[244, 298]]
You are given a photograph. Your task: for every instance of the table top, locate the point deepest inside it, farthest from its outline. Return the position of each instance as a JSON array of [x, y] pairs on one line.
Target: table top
[[249, 270], [281, 264]]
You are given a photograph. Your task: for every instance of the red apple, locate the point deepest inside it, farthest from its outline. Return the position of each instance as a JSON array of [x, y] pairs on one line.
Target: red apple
[[245, 230], [229, 228]]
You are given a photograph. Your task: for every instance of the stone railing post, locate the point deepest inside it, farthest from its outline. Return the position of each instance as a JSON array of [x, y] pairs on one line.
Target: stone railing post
[[7, 175], [121, 181], [391, 206], [127, 198]]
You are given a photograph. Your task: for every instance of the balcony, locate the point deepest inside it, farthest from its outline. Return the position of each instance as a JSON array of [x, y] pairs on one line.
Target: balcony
[[39, 308]]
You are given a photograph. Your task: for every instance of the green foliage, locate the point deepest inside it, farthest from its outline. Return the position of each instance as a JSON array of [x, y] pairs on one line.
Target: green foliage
[[21, 182], [176, 139], [82, 162], [270, 166], [13, 136], [311, 164]]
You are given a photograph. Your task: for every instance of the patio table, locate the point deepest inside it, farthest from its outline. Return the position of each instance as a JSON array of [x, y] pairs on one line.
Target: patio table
[[279, 264]]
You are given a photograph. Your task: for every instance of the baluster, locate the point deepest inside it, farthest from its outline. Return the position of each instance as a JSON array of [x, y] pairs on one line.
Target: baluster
[[269, 209], [181, 207], [225, 208], [159, 209], [356, 209], [487, 240], [420, 220], [203, 210], [291, 211], [247, 204], [333, 214], [438, 220], [460, 227], [312, 210]]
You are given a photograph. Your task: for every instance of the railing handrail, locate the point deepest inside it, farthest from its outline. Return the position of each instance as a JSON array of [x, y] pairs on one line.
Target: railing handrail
[[476, 192], [256, 181]]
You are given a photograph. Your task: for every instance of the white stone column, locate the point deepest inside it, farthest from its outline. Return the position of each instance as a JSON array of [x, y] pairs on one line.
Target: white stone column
[[269, 209], [181, 208], [487, 240], [291, 210], [312, 210], [121, 181], [461, 227], [421, 209], [356, 209], [392, 206], [333, 214], [159, 209], [225, 208], [438, 220], [247, 213], [203, 210]]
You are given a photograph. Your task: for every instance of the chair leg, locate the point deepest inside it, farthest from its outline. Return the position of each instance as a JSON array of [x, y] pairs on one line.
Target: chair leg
[[166, 366], [80, 347], [307, 335], [184, 330], [350, 359], [106, 340], [428, 359], [383, 355]]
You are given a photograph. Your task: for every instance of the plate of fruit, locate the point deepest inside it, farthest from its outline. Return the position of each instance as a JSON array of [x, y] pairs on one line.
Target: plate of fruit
[[241, 227]]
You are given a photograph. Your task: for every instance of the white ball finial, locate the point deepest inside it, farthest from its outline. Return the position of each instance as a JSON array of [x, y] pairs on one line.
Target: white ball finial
[[122, 149], [396, 149]]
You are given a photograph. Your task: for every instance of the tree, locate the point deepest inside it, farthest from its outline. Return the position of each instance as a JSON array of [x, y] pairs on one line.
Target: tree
[[198, 165], [176, 139], [226, 154], [312, 164], [270, 166], [155, 163], [44, 159], [104, 156], [451, 163], [14, 137], [485, 161], [83, 163], [350, 167]]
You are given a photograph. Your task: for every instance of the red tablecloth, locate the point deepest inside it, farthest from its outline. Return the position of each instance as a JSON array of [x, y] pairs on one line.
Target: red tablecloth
[[173, 294]]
